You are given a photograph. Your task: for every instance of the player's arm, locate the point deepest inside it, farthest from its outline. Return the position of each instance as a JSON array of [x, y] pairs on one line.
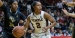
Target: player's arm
[[51, 19], [1, 3], [31, 26], [27, 22], [23, 17], [31, 29], [68, 3], [68, 14]]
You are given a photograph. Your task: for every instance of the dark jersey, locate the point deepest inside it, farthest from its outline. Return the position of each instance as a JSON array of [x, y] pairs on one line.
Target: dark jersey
[[11, 19]]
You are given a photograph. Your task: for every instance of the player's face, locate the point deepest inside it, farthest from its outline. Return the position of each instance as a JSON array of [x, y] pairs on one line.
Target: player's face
[[15, 5], [38, 6]]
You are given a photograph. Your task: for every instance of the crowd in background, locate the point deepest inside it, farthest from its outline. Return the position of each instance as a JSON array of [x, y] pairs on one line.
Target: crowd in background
[[64, 25]]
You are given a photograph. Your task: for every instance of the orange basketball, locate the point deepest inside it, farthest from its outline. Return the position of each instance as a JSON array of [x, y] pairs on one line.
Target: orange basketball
[[18, 31]]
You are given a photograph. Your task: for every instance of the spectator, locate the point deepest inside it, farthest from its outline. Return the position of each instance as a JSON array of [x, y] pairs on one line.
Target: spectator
[[60, 33], [59, 5], [63, 27], [52, 32], [67, 34]]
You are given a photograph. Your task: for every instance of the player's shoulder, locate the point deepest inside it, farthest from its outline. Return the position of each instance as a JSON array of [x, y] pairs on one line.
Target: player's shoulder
[[43, 12], [31, 14], [19, 13]]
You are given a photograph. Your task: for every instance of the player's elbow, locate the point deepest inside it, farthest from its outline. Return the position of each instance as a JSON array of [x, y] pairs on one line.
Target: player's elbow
[[55, 23]]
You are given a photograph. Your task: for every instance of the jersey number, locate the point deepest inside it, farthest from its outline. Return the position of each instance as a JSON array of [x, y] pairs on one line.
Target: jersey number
[[38, 25]]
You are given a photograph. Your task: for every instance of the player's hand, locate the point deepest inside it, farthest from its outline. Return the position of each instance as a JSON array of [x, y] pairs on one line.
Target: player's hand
[[21, 21], [45, 29], [65, 12], [29, 31]]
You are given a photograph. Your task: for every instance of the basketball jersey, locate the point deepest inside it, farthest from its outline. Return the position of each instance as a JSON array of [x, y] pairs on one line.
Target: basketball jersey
[[38, 22]]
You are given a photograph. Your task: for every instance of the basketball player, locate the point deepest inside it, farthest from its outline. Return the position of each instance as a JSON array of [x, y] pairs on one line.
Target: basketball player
[[71, 15], [11, 18], [72, 4], [38, 20]]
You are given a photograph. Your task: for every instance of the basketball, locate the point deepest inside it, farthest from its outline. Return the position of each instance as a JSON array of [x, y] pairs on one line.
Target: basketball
[[18, 31]]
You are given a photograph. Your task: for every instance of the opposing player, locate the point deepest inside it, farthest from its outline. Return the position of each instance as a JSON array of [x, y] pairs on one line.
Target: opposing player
[[38, 20], [72, 4], [11, 18]]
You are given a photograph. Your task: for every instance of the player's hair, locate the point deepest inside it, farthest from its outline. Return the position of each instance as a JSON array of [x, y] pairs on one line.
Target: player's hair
[[33, 4], [10, 2]]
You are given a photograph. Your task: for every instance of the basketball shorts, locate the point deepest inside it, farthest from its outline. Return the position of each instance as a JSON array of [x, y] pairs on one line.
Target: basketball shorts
[[42, 35]]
